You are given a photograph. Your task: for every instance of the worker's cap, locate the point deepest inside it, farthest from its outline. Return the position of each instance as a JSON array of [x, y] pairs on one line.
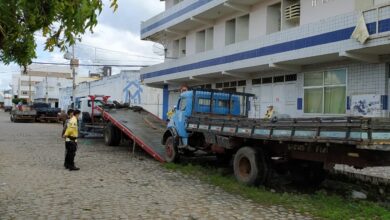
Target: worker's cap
[[76, 112]]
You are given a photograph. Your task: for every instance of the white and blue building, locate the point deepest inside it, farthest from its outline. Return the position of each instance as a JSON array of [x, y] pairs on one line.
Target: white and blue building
[[124, 87], [296, 55]]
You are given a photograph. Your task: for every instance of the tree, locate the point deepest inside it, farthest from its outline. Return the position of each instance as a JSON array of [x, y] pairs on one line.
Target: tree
[[61, 22]]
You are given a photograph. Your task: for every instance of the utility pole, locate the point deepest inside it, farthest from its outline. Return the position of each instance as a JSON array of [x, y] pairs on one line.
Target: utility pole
[[47, 92], [73, 75], [29, 88]]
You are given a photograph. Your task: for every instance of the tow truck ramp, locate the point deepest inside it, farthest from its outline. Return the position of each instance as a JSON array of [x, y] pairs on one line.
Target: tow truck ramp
[[144, 128]]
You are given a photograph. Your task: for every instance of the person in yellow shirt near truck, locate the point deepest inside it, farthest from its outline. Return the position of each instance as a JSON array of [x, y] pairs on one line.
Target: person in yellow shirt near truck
[[70, 135]]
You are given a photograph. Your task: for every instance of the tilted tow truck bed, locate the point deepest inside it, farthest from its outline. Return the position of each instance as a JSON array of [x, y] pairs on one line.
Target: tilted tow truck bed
[[141, 126]]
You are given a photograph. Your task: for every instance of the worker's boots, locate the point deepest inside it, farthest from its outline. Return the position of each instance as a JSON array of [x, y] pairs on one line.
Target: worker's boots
[[73, 168]]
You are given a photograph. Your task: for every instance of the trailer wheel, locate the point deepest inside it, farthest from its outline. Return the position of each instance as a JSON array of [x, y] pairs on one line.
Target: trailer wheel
[[111, 138], [11, 117], [250, 166], [171, 152]]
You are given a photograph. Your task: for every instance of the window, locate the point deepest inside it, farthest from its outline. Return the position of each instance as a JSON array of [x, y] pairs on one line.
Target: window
[[202, 101], [292, 77], [233, 84], [242, 83], [24, 93], [218, 85], [230, 32], [96, 103], [182, 47], [325, 92], [209, 41], [274, 15], [226, 84], [200, 41], [177, 1], [223, 103], [176, 48], [182, 105], [256, 81], [242, 28], [207, 86], [278, 79], [266, 80]]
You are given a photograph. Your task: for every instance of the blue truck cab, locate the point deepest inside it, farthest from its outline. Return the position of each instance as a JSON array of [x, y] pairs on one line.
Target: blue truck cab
[[210, 103]]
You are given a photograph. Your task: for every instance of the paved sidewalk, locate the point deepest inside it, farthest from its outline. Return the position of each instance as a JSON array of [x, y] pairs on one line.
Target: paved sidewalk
[[110, 185]]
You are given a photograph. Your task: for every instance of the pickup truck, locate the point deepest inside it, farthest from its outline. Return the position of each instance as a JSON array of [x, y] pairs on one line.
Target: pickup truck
[[45, 112], [23, 113], [213, 122]]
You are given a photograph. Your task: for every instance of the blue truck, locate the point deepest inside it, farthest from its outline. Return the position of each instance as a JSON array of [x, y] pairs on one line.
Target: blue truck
[[214, 122]]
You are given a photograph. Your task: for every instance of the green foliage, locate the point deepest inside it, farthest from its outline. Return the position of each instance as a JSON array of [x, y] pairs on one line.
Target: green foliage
[[17, 100], [317, 205], [60, 21]]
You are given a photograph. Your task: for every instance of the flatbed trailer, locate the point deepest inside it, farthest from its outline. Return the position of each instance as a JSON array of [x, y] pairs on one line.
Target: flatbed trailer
[[216, 123], [136, 124]]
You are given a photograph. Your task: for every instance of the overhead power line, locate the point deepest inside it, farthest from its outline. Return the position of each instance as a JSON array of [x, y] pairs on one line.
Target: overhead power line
[[101, 65]]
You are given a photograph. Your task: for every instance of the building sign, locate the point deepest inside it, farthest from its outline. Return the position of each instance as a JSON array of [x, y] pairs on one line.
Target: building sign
[[366, 105], [316, 3]]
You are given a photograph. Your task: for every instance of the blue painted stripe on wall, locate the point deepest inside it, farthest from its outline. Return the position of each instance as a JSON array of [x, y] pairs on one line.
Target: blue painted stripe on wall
[[384, 102], [384, 25], [316, 40], [165, 102], [173, 16], [299, 103]]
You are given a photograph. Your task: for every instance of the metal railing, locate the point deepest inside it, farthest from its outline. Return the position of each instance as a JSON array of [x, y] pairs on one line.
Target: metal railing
[[379, 12]]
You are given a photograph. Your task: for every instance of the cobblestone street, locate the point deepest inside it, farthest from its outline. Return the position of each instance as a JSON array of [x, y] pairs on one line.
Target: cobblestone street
[[110, 185]]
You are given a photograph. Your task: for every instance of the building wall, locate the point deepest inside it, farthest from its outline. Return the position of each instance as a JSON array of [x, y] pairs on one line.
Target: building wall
[[318, 19], [324, 9], [124, 88], [52, 87], [288, 97]]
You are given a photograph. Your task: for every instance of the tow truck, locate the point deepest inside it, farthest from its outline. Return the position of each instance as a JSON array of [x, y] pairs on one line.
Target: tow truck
[[91, 121]]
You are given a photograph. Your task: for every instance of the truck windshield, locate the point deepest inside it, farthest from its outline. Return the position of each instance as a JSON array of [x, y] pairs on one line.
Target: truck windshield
[[96, 103]]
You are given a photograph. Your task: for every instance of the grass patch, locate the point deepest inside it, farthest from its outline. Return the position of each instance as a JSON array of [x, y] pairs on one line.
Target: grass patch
[[317, 205]]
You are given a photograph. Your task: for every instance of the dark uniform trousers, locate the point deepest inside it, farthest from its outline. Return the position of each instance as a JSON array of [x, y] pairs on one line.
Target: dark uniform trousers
[[71, 148]]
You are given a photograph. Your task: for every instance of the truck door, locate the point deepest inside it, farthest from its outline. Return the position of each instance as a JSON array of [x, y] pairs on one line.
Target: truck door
[[183, 111]]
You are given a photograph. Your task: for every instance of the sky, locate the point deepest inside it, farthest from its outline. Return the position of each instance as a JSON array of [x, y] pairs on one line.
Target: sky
[[115, 40]]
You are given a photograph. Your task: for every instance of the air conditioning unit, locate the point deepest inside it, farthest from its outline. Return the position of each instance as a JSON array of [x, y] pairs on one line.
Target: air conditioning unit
[[292, 12]]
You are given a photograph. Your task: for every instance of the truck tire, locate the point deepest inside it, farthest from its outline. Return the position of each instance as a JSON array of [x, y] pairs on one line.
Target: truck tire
[[250, 166], [111, 137], [11, 117], [171, 152]]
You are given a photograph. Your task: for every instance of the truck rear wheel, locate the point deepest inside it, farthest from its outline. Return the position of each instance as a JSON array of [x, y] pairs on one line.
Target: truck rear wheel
[[171, 152], [111, 136], [250, 166]]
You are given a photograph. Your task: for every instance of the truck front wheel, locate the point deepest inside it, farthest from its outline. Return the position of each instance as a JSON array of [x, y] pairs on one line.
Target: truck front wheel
[[250, 166], [171, 152], [111, 137]]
